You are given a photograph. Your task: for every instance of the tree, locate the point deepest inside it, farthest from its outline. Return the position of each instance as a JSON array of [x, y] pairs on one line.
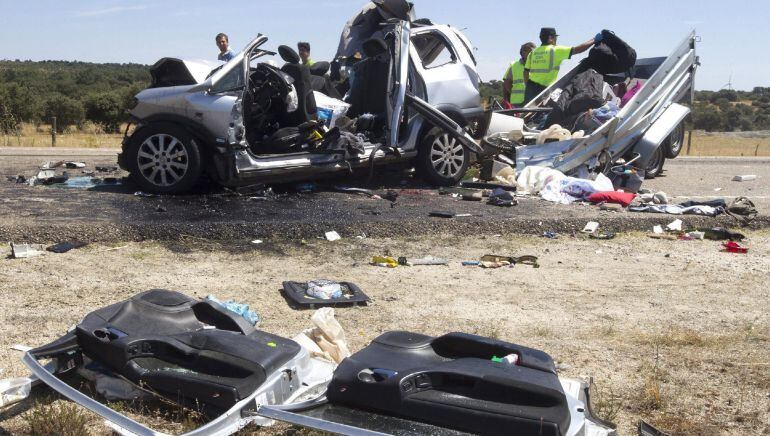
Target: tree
[[105, 109], [708, 118], [68, 112]]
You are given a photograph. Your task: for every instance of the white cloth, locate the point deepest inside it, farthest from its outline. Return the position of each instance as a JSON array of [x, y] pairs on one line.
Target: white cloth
[[570, 189], [532, 179]]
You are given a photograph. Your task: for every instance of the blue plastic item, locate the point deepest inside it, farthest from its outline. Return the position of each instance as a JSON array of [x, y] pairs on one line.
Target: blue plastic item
[[239, 308]]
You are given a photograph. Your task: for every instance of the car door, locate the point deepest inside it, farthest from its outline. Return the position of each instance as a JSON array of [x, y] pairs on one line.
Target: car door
[[448, 80], [398, 80]]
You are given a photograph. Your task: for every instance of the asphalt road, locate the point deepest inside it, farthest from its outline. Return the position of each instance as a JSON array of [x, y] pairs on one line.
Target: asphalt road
[[114, 213]]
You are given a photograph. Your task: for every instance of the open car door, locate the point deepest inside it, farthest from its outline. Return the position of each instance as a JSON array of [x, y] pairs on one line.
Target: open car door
[[398, 97]]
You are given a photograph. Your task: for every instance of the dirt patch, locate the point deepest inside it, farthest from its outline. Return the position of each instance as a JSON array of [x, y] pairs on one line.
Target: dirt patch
[[673, 332]]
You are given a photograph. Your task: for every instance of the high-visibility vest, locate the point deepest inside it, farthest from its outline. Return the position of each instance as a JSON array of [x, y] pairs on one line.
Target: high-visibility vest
[[516, 73], [544, 61]]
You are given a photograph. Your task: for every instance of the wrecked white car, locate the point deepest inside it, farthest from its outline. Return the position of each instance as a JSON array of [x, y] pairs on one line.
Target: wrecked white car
[[628, 143], [248, 121]]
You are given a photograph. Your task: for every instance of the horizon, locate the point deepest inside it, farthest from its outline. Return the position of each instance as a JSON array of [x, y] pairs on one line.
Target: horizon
[[106, 32]]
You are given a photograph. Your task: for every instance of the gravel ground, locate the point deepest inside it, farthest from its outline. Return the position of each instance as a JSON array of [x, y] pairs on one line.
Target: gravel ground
[[673, 332]]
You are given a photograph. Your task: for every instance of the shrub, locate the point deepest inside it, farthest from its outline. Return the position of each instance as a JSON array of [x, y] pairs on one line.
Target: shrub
[[68, 112]]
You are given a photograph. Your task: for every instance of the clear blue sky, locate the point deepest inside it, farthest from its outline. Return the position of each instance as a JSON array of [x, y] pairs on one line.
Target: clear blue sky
[[734, 34]]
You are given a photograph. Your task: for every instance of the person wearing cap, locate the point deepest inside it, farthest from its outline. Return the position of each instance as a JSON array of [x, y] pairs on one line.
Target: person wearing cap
[[542, 66], [513, 80], [303, 48], [367, 24]]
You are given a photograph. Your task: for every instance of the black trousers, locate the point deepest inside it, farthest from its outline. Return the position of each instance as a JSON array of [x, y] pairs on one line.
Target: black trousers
[[532, 91]]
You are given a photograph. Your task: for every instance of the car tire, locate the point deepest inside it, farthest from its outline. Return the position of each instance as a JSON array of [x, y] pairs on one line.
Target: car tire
[[655, 165], [675, 141], [164, 158], [441, 159]]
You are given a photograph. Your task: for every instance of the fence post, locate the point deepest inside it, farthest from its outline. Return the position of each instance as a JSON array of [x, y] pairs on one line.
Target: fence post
[[53, 131], [689, 142]]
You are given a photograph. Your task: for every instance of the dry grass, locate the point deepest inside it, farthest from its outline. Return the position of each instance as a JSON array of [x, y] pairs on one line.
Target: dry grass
[[61, 418], [673, 337], [726, 144], [89, 137]]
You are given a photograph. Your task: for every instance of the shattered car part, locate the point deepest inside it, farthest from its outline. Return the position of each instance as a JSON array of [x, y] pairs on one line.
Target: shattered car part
[[187, 351], [642, 126], [225, 124], [24, 251]]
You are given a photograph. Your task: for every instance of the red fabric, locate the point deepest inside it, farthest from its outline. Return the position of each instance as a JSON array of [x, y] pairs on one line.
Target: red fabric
[[734, 247], [622, 198]]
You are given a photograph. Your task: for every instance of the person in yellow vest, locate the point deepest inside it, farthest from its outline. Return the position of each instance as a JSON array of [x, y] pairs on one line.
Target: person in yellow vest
[[513, 81], [542, 66], [303, 48]]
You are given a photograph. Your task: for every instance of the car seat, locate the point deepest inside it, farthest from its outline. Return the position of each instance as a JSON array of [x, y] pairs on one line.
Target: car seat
[[307, 110], [369, 87]]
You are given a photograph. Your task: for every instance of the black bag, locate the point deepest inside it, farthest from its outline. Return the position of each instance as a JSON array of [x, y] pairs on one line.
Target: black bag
[[583, 92], [611, 56]]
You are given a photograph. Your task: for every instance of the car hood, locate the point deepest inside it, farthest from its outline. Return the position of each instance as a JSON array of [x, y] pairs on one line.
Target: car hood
[[178, 72]]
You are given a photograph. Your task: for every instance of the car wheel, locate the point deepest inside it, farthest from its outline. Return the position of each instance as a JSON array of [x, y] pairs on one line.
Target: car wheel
[[673, 144], [655, 165], [164, 158], [442, 159]]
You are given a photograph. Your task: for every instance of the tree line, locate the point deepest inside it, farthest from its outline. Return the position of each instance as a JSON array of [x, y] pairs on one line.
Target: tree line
[[712, 111], [73, 92], [78, 92]]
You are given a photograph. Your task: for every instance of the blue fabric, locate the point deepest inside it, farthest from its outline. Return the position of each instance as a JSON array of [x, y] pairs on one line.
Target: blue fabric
[[238, 308], [226, 56]]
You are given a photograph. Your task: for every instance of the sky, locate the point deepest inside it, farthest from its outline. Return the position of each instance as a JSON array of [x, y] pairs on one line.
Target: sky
[[734, 36]]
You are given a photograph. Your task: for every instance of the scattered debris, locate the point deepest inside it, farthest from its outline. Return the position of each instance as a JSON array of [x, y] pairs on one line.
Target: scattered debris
[[550, 235], [64, 247], [256, 241], [74, 165], [645, 429], [352, 190], [442, 214], [161, 209], [722, 234], [24, 251], [13, 390], [384, 261], [591, 227], [495, 261], [471, 263], [333, 236], [144, 194], [658, 230], [734, 247], [108, 169], [745, 178], [323, 293], [17, 179], [324, 289], [327, 340], [239, 308], [429, 260], [675, 226], [502, 198], [610, 207]]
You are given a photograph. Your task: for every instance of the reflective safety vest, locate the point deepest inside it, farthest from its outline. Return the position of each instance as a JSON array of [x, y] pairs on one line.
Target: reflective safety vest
[[516, 72], [544, 61]]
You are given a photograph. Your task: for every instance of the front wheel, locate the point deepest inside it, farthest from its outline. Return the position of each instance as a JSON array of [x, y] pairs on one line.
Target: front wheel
[[442, 159], [655, 165], [673, 144], [164, 158]]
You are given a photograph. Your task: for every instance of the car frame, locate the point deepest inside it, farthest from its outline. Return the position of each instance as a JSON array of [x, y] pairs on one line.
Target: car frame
[[189, 125]]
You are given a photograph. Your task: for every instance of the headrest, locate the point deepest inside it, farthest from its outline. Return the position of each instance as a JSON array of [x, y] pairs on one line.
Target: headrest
[[374, 47], [288, 54], [320, 68]]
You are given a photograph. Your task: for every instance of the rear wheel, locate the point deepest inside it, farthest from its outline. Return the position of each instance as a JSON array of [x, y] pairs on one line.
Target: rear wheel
[[164, 158], [442, 159], [673, 144], [655, 165]]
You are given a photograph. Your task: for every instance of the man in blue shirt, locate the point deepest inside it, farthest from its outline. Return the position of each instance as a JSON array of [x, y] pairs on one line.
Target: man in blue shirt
[[223, 42]]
